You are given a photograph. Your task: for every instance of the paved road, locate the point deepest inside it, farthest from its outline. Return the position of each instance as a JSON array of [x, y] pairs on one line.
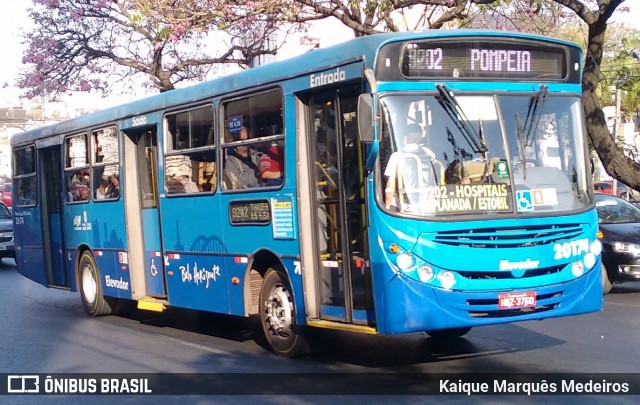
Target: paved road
[[46, 331]]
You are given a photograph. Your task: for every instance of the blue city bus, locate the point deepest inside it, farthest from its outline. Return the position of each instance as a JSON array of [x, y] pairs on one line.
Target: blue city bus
[[394, 183]]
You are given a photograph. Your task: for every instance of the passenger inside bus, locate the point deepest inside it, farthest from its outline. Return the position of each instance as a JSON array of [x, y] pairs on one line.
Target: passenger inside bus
[[241, 165], [114, 189], [408, 169], [101, 191], [27, 192], [272, 165]]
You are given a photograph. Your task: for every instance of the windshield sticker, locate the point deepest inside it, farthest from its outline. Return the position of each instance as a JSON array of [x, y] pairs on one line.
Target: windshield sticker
[[544, 196], [524, 200], [502, 170]]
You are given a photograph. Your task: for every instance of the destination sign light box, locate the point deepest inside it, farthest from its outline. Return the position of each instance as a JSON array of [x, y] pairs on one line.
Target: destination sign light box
[[483, 60]]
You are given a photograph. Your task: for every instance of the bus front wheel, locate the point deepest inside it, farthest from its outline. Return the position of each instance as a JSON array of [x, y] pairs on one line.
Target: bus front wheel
[[90, 287], [277, 316], [448, 333]]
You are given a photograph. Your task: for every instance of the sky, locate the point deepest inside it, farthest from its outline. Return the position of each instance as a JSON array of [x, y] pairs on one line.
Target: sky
[[14, 19]]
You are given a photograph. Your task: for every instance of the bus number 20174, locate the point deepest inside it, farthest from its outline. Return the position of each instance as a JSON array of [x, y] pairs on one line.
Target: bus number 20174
[[570, 249]]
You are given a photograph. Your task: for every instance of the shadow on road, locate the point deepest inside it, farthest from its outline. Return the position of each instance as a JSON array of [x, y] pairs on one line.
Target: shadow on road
[[626, 288], [372, 351]]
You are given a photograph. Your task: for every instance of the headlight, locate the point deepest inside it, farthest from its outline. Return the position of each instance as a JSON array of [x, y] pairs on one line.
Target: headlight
[[624, 247], [425, 273], [404, 261], [589, 260], [577, 268], [447, 279]]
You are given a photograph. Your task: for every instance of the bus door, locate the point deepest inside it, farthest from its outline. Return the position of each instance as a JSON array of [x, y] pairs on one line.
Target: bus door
[[141, 207], [343, 278], [52, 215]]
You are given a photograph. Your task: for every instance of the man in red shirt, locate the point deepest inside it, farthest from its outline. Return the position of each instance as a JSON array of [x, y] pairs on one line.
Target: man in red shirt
[[272, 166]]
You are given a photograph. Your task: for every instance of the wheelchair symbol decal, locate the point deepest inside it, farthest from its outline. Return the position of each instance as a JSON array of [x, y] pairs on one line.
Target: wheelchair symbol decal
[[524, 200]]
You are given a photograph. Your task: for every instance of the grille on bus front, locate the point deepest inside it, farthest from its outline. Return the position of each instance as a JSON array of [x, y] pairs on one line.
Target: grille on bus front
[[509, 237], [497, 274]]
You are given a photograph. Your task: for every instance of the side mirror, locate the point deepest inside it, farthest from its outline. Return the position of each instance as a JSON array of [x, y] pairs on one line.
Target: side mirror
[[365, 117]]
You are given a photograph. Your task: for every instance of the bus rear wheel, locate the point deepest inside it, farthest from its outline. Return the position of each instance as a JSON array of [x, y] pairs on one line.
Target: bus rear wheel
[[277, 316], [448, 333], [93, 301]]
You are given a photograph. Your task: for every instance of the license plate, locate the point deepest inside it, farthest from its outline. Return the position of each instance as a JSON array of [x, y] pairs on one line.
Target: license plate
[[3, 247], [517, 300]]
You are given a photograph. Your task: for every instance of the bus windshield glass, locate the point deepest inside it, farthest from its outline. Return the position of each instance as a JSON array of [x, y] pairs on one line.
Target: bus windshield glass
[[444, 154]]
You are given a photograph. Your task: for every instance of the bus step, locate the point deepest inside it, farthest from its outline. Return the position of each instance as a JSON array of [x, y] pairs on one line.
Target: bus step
[[318, 323], [151, 304]]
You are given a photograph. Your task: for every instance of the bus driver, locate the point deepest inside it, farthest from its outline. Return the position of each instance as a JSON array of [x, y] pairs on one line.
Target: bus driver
[[403, 166]]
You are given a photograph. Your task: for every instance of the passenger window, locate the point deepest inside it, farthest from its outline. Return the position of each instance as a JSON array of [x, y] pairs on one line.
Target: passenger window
[[77, 171], [25, 176], [106, 164], [190, 159], [254, 143]]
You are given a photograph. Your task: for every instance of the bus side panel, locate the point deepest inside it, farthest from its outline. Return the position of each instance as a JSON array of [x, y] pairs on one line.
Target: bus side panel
[[152, 258], [57, 251], [198, 282], [29, 245], [194, 253], [114, 275], [97, 226], [236, 267]]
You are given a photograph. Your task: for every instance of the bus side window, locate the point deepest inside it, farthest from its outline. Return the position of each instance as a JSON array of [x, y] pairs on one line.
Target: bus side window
[[254, 145], [190, 162]]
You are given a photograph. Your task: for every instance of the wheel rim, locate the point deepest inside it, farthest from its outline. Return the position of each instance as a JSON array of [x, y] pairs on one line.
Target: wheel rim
[[279, 312], [89, 286]]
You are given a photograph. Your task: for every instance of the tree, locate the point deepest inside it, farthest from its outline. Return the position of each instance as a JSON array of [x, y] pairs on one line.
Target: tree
[[80, 45], [619, 67], [613, 158]]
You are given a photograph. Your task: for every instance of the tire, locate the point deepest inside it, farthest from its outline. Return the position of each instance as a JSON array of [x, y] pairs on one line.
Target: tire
[[450, 333], [90, 287], [277, 316], [606, 283]]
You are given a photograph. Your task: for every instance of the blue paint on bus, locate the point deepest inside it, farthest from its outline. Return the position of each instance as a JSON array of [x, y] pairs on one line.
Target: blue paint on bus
[[490, 232]]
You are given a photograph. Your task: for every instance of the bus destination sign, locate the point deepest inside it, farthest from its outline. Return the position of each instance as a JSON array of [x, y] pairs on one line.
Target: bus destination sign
[[249, 212], [483, 60]]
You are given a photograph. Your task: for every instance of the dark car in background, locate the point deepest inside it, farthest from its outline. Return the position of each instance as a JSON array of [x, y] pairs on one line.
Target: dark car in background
[[7, 248], [7, 198], [619, 232]]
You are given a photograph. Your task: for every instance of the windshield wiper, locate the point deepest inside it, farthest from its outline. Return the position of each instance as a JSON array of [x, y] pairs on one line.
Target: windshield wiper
[[454, 110], [534, 113], [523, 161]]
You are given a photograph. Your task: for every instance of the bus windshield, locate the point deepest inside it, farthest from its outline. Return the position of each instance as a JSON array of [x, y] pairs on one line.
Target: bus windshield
[[444, 154]]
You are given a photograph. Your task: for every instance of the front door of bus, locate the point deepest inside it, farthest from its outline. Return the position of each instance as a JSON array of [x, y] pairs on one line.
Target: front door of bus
[[143, 144], [344, 277]]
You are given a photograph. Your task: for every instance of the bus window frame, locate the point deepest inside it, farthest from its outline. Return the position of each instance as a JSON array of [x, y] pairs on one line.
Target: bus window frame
[[169, 150], [253, 140], [94, 164], [68, 169], [25, 176]]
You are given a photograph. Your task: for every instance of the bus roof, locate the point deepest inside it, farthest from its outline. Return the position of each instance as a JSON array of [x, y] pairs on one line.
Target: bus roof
[[363, 48]]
